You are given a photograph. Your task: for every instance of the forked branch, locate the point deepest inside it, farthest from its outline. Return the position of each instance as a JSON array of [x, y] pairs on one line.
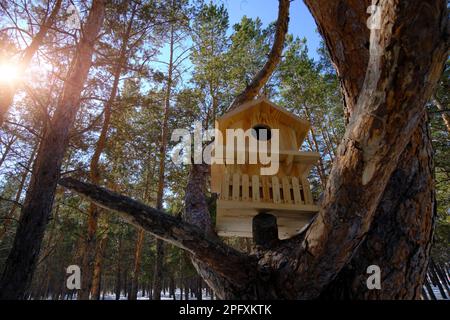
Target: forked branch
[[210, 250]]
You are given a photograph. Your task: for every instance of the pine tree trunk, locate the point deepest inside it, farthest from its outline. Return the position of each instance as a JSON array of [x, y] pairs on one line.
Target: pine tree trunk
[[21, 262], [172, 287], [158, 272], [97, 274], [400, 236], [118, 283], [137, 265], [8, 148], [320, 167], [199, 291]]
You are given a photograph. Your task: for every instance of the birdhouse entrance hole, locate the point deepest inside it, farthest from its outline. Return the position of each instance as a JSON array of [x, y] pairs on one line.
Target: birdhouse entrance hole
[[262, 132]]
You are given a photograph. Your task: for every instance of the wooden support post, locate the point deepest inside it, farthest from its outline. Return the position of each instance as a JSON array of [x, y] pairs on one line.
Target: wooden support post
[[265, 229]]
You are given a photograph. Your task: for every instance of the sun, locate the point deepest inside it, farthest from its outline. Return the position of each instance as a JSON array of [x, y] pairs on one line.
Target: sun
[[9, 73]]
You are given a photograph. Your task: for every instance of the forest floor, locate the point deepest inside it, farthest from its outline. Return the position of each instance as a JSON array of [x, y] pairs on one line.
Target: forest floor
[[206, 296], [438, 294]]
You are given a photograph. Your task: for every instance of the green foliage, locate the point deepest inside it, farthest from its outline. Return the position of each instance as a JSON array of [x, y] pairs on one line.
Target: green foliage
[[440, 135]]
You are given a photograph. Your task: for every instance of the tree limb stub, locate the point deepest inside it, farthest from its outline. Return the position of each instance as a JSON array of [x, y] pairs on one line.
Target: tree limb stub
[[211, 251]]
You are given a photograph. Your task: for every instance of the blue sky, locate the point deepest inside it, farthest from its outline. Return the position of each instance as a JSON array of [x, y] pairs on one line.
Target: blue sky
[[301, 22]]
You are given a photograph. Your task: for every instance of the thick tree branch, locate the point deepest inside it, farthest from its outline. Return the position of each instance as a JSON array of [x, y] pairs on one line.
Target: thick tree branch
[[387, 112], [209, 250], [273, 59], [400, 235]]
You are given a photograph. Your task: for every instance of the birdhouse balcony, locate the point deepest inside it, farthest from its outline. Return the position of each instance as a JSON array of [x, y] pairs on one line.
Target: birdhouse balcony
[[243, 193], [243, 196]]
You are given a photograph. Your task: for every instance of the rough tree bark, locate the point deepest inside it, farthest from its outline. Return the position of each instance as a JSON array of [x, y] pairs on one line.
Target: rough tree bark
[[37, 208], [7, 94], [98, 263], [405, 60], [399, 239], [414, 191], [164, 226]]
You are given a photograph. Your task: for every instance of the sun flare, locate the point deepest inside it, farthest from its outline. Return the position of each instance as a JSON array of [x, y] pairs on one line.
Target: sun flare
[[9, 73]]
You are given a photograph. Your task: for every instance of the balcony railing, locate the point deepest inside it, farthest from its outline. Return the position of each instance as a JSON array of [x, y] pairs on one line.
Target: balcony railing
[[266, 189]]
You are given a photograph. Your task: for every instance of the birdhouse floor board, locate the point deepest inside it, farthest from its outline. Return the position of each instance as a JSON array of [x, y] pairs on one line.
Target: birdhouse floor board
[[237, 222], [266, 206], [242, 227]]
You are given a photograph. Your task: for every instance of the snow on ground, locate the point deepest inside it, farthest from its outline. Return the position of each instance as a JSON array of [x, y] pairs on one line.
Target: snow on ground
[[164, 296], [437, 293]]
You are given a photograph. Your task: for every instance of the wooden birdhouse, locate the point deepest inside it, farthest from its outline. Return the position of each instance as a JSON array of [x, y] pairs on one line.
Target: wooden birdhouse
[[243, 191]]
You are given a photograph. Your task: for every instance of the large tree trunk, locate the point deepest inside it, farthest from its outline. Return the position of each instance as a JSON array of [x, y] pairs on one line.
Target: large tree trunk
[[408, 198], [141, 240], [98, 263], [137, 265], [158, 270], [37, 208], [405, 61], [399, 239]]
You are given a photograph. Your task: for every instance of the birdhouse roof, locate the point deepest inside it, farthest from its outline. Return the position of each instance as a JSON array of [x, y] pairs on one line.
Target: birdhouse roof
[[300, 126]]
